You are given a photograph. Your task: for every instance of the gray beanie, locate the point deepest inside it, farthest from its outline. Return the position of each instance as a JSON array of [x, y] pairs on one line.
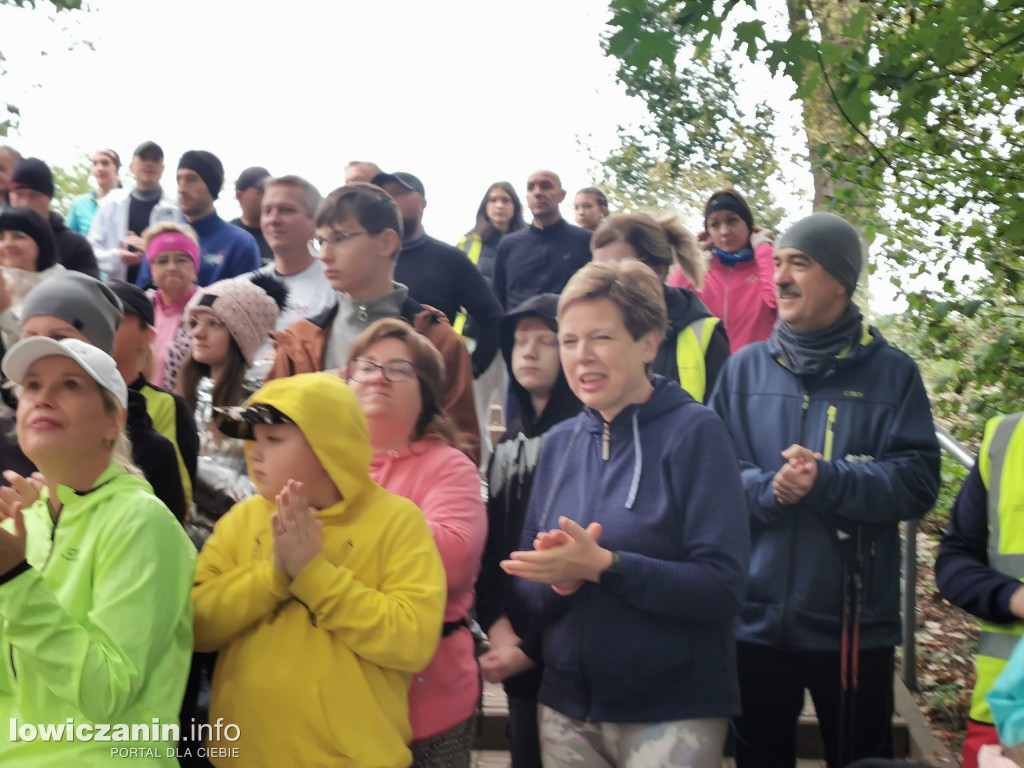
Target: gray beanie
[[830, 241], [79, 300]]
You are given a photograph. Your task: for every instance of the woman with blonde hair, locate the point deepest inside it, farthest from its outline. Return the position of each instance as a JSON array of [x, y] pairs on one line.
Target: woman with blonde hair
[[397, 376], [695, 346], [95, 575]]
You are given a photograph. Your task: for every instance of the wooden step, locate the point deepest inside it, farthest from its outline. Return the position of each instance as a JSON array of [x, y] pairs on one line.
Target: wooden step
[[809, 745]]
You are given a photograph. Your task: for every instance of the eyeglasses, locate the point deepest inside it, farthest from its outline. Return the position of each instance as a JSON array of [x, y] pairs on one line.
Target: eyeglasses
[[365, 371], [335, 239]]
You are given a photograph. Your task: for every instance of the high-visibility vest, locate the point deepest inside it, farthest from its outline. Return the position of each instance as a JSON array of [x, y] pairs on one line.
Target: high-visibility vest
[[691, 349], [476, 245], [1001, 465]]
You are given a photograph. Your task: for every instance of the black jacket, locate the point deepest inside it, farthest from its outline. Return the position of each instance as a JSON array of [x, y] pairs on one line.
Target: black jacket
[[441, 276], [510, 475], [73, 250], [154, 455], [531, 261]]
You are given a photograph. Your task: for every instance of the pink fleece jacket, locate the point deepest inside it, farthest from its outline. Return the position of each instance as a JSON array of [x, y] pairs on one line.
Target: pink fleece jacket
[[743, 296], [170, 330], [445, 484]]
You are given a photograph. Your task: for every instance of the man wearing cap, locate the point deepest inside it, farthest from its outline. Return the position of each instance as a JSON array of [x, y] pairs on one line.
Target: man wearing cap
[[125, 213], [440, 275], [249, 194], [74, 306], [32, 187], [542, 257], [169, 412], [225, 251], [834, 434]]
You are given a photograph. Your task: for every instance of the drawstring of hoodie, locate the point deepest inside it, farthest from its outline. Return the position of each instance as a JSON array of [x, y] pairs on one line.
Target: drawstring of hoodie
[[638, 460]]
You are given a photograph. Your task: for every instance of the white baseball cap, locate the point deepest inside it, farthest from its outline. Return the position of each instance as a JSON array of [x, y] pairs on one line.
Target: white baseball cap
[[93, 360]]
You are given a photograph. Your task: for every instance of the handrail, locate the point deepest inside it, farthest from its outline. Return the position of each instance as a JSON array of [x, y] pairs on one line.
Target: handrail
[[959, 453]]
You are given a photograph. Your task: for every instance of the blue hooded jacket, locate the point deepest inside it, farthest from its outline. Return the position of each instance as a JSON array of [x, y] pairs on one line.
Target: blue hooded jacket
[[658, 645], [869, 416]]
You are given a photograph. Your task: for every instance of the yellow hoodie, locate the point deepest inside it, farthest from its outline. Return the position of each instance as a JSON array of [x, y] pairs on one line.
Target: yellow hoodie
[[316, 671]]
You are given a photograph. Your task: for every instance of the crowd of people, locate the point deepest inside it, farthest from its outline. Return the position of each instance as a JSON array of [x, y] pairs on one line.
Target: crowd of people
[[275, 472]]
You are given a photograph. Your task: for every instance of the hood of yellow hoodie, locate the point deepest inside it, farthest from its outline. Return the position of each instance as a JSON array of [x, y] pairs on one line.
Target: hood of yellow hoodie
[[327, 412]]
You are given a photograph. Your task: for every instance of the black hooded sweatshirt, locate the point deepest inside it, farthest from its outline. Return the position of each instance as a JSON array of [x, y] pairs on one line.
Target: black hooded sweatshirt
[[509, 477]]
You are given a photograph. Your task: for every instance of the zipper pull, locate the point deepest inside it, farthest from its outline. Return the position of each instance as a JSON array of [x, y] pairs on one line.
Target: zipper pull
[[829, 433], [606, 442]]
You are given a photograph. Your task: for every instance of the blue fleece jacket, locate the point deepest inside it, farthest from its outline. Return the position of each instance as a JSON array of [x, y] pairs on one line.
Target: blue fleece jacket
[[225, 251], [659, 644], [870, 417]]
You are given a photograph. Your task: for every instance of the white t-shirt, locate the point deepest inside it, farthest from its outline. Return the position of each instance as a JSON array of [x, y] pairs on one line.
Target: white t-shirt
[[309, 294]]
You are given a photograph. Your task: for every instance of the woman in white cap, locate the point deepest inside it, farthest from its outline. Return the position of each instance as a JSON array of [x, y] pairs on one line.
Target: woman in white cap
[[94, 575], [229, 321]]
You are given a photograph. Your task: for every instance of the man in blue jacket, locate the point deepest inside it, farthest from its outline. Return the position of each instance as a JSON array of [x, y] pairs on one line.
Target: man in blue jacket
[[834, 434], [225, 250]]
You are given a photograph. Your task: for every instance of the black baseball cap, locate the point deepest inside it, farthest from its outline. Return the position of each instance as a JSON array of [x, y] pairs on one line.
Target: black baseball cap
[[134, 300], [252, 177], [402, 179], [149, 148], [238, 421]]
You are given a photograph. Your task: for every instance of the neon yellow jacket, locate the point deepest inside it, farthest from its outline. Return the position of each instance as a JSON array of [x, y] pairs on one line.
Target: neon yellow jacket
[[316, 671], [99, 629]]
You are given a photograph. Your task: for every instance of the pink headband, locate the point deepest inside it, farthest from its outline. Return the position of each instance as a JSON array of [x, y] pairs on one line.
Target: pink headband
[[172, 241]]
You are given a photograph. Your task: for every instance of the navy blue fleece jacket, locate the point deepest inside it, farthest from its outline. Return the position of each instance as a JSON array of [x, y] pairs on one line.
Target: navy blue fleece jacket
[[658, 645]]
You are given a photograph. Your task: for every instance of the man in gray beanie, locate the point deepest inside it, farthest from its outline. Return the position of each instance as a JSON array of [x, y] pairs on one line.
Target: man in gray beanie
[[834, 434], [76, 306]]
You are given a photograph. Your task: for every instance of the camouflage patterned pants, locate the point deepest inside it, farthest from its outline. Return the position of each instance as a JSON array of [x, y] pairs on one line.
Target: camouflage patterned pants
[[572, 743]]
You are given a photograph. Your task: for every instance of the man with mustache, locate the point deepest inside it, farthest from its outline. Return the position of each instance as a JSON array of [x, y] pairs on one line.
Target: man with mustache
[[834, 434]]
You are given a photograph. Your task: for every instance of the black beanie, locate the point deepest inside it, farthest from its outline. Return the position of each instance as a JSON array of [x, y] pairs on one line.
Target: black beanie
[[33, 173], [726, 201], [35, 226], [209, 168]]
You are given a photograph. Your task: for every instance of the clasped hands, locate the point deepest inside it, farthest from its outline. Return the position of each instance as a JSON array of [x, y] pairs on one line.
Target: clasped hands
[[563, 557], [296, 529], [796, 477]]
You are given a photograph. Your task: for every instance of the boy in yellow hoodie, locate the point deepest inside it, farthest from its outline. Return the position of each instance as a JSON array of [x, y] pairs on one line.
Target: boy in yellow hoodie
[[323, 595]]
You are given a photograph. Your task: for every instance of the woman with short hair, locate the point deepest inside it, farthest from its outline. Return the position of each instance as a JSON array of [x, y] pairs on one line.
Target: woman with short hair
[[633, 561]]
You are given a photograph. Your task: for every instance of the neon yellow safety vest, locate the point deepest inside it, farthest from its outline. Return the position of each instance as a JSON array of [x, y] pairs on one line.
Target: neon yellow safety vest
[[476, 245], [1001, 464], [691, 349]]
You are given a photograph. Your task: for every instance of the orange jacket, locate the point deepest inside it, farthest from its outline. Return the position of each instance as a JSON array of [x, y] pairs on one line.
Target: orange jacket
[[300, 349]]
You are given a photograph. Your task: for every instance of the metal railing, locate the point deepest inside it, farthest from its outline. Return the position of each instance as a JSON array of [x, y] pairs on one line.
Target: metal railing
[[965, 458]]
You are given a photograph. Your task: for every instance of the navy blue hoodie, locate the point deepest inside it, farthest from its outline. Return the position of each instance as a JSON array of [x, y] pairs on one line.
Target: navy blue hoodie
[[658, 645], [870, 417]]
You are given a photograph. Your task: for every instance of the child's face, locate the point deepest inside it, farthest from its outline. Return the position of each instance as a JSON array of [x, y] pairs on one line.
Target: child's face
[[728, 231], [535, 360], [280, 452]]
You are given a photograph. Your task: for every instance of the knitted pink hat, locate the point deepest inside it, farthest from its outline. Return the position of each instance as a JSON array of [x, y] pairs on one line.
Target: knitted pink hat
[[249, 312]]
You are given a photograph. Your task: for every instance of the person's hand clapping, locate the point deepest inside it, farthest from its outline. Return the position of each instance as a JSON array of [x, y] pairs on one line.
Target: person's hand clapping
[[297, 537], [564, 557]]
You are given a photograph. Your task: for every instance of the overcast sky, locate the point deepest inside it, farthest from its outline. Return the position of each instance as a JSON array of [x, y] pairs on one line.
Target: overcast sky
[[460, 93]]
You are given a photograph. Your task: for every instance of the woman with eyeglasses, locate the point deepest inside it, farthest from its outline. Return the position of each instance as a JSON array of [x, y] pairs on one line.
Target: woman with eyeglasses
[[397, 376], [228, 322], [172, 251]]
